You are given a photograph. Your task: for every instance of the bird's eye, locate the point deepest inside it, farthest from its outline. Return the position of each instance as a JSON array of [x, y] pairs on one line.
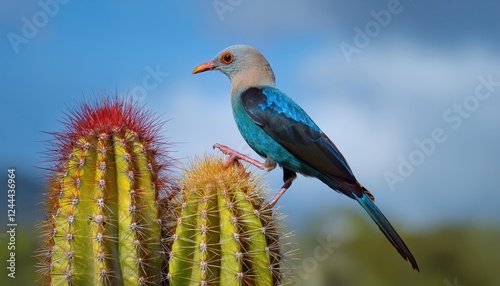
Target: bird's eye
[[227, 58]]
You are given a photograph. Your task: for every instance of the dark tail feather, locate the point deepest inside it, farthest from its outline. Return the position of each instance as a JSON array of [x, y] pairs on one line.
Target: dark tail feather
[[386, 227]]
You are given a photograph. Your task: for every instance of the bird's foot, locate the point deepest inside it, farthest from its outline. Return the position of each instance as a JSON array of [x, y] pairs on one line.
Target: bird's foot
[[234, 156]]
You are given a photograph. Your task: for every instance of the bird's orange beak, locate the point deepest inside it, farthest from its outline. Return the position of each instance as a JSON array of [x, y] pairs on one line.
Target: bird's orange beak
[[204, 67]]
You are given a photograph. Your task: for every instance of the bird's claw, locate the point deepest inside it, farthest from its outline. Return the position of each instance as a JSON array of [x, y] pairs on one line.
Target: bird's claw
[[232, 160], [235, 156]]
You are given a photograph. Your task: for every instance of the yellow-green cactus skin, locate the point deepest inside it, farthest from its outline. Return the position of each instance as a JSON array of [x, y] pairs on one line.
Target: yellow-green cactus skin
[[224, 234], [104, 221], [114, 217]]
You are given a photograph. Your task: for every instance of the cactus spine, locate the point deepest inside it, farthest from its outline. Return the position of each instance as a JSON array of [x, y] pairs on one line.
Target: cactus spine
[[103, 224], [225, 234]]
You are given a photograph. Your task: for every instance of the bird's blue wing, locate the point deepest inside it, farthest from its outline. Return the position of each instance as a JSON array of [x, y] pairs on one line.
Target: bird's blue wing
[[282, 119], [289, 125]]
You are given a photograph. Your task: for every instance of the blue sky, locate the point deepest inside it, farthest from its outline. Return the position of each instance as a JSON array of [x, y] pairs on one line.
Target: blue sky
[[415, 69]]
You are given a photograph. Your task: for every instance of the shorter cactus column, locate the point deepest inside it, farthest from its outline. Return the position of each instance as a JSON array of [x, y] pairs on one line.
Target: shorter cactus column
[[225, 234], [103, 222]]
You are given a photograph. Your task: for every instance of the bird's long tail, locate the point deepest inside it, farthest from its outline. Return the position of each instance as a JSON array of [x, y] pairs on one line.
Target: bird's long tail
[[386, 227]]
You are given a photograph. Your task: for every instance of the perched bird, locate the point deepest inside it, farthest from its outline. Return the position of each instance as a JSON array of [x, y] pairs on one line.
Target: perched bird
[[280, 131]]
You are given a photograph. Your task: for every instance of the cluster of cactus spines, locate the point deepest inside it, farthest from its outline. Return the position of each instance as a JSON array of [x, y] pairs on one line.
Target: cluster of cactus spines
[[104, 225], [224, 232]]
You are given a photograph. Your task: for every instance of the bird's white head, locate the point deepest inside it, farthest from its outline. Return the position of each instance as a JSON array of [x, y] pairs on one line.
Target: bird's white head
[[244, 65]]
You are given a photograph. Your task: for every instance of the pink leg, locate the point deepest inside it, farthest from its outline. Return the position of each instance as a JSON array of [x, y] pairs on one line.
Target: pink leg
[[235, 155]]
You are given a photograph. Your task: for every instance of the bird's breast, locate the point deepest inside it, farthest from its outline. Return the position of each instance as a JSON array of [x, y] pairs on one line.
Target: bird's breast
[[256, 138]]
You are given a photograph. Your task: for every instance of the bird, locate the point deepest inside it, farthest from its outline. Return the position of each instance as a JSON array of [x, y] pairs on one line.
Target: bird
[[283, 134]]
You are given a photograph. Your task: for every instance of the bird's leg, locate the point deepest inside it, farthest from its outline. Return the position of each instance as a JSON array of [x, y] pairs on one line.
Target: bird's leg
[[234, 156], [268, 165], [288, 177]]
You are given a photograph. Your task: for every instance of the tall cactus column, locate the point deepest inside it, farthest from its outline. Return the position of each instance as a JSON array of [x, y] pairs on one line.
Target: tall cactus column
[[225, 233], [104, 225]]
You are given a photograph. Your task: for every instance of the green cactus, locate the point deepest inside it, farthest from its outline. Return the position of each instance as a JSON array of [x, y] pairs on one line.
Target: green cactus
[[225, 234], [104, 220], [113, 218]]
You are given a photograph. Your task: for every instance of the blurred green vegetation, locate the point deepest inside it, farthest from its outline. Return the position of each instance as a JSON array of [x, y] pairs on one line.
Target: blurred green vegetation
[[449, 255], [358, 254]]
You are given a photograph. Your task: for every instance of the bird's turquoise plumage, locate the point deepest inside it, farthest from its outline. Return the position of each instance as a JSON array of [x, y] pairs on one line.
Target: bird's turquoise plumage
[[260, 141], [275, 126], [281, 131], [287, 124]]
